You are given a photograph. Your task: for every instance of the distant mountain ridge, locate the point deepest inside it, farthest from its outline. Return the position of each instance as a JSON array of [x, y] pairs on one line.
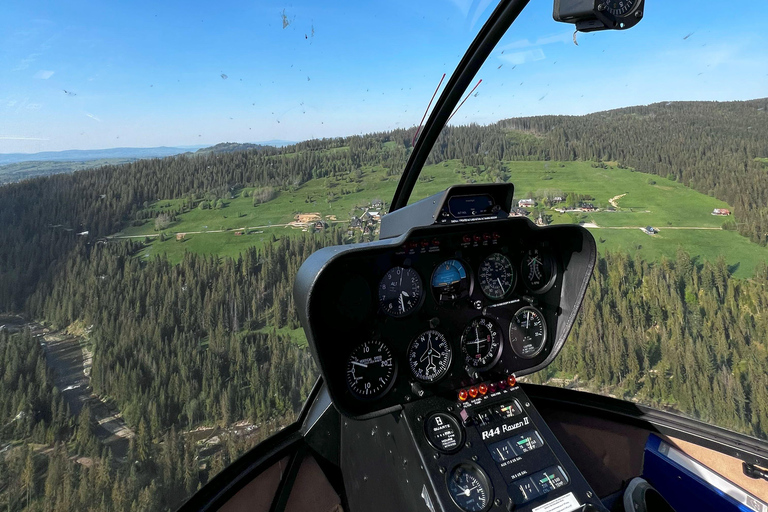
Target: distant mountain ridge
[[82, 155]]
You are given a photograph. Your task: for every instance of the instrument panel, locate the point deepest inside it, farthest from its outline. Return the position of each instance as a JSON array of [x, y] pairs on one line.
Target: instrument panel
[[440, 307]]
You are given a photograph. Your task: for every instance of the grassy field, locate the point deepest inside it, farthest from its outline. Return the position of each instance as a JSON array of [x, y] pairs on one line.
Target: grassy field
[[647, 200]]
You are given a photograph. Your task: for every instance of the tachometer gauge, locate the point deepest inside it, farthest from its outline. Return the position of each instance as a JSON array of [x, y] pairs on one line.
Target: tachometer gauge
[[370, 370], [538, 271], [497, 276], [429, 356], [481, 343], [620, 7], [528, 332], [400, 291], [450, 281], [469, 488]]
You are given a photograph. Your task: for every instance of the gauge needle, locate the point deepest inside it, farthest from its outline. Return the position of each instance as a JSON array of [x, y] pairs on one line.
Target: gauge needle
[[468, 491], [359, 364], [500, 284], [402, 304]]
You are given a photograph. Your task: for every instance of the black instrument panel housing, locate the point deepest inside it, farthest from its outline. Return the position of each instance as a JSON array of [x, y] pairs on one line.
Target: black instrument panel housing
[[336, 294]]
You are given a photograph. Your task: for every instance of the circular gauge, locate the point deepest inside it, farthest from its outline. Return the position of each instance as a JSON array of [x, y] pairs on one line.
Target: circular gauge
[[481, 343], [429, 356], [538, 271], [497, 276], [528, 332], [370, 370], [620, 7], [450, 281], [469, 488], [400, 291]]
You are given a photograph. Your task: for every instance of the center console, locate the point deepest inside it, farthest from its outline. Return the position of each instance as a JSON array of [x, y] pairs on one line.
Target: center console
[[490, 452]]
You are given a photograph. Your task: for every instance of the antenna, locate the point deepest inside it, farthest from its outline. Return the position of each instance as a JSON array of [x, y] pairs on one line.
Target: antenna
[[418, 130]]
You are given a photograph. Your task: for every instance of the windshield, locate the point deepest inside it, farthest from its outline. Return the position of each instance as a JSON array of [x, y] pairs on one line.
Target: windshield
[[148, 331], [654, 139], [166, 169]]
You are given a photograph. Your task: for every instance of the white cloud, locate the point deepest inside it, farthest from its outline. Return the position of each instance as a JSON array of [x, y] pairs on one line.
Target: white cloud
[[44, 74], [564, 37], [517, 58]]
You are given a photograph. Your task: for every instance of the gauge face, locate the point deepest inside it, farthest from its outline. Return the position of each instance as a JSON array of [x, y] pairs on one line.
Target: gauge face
[[429, 356], [620, 7], [528, 332], [538, 271], [400, 291], [469, 488], [450, 281], [481, 343], [370, 370], [497, 276]]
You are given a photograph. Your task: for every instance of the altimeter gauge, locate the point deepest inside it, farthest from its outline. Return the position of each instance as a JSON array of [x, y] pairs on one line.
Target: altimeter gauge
[[371, 370], [429, 356], [497, 276]]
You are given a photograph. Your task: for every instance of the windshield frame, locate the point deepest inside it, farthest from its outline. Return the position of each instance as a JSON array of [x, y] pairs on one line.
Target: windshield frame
[[497, 25]]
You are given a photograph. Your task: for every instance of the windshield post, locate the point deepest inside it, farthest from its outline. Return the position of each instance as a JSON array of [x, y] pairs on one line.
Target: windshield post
[[494, 29]]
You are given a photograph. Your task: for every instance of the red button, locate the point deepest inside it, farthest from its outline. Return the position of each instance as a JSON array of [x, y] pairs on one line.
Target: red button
[[467, 239], [486, 236], [482, 388], [436, 242], [476, 238], [496, 236], [511, 380], [492, 387], [472, 392], [425, 243]]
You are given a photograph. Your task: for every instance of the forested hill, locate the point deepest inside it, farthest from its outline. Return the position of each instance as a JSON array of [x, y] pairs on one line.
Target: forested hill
[[714, 147]]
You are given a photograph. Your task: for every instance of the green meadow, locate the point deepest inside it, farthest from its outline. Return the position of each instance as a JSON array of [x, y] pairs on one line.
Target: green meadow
[[646, 200]]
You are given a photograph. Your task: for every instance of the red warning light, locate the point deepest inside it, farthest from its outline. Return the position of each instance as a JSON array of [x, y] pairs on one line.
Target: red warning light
[[463, 395], [472, 392], [511, 380], [482, 388]]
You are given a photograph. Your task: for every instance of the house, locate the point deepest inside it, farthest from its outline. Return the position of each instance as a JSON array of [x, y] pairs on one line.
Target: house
[[540, 221], [320, 225], [180, 236], [375, 216], [558, 199], [721, 211], [238, 233], [650, 230], [377, 204], [526, 203], [588, 207], [519, 212], [355, 223]]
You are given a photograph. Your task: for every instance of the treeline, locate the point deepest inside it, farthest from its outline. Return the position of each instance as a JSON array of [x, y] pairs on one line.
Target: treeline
[[676, 334], [180, 345], [711, 147], [175, 347]]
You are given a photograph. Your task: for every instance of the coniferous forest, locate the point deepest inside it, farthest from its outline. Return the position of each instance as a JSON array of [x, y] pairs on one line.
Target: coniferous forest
[[203, 344]]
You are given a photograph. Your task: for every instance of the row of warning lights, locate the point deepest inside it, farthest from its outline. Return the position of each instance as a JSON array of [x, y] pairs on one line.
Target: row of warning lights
[[483, 389], [413, 244]]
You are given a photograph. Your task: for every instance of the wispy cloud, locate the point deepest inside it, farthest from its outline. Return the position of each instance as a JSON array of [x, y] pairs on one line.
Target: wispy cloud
[[93, 117], [44, 74], [523, 57], [21, 138], [563, 37], [24, 63]]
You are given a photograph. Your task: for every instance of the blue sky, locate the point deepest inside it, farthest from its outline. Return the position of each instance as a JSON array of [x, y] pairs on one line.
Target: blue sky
[[150, 73]]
